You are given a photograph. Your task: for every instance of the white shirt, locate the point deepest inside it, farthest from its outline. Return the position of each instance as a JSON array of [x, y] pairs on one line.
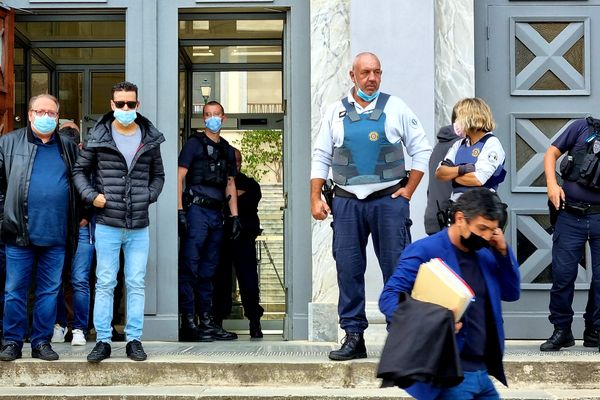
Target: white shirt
[[401, 124], [491, 157]]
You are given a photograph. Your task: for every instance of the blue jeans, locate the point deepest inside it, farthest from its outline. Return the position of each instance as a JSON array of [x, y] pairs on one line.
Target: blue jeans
[[19, 273], [2, 280], [136, 244], [387, 221], [570, 236], [80, 282], [477, 385]]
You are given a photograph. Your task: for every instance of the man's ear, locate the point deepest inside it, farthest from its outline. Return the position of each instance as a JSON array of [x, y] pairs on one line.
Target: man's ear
[[351, 73], [459, 217]]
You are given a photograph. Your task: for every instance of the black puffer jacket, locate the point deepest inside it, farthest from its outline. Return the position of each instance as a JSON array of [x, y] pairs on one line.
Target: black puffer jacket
[[17, 153], [128, 193]]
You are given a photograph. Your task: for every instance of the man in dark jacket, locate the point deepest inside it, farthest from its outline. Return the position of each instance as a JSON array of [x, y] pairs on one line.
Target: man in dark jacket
[[122, 153], [438, 192], [240, 254], [40, 224]]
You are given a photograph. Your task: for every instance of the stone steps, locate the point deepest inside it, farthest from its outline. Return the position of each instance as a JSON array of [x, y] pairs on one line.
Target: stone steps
[[270, 370], [252, 393]]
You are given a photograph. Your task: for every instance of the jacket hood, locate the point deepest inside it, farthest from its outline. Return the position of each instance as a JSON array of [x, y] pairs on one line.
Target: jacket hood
[[101, 132], [446, 134]]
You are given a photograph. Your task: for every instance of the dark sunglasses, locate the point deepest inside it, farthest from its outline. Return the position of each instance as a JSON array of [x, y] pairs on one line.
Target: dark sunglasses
[[121, 104]]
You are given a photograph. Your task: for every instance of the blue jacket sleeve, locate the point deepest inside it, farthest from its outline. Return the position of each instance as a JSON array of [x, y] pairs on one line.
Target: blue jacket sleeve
[[508, 275], [403, 278]]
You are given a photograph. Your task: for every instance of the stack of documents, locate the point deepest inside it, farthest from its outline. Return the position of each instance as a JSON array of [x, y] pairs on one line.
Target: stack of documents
[[437, 283]]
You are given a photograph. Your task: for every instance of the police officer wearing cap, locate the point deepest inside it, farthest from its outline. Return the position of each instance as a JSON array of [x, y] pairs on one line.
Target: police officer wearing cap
[[207, 167], [578, 222], [360, 140], [478, 159]]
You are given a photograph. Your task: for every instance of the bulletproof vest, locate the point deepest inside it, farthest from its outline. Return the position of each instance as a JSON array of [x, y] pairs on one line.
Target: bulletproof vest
[[211, 166], [469, 155], [366, 156], [582, 165]]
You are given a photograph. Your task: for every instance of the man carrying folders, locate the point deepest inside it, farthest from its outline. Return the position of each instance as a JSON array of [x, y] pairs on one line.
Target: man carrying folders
[[474, 247]]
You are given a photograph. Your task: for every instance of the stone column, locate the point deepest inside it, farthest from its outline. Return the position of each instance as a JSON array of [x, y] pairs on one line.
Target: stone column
[[330, 60]]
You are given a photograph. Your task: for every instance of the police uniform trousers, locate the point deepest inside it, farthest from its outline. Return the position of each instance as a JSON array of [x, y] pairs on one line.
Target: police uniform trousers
[[241, 255], [198, 258], [387, 221], [570, 235]]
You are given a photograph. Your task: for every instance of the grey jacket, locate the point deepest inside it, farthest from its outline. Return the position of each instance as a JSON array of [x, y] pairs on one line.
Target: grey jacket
[[438, 192]]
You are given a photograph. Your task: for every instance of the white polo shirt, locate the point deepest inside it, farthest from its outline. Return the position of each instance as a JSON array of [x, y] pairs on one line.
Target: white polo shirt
[[401, 124]]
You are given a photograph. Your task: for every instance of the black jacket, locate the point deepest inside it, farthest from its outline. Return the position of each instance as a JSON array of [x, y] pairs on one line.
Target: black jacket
[[420, 346], [17, 154], [128, 192], [247, 204]]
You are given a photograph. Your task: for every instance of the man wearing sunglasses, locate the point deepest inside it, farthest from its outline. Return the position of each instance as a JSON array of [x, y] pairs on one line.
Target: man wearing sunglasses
[[40, 224], [122, 153]]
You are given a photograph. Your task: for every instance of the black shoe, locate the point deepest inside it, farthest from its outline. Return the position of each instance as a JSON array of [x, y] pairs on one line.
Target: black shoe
[[116, 336], [135, 351], [255, 330], [189, 332], [206, 325], [100, 352], [560, 338], [44, 351], [10, 351], [353, 347], [590, 337]]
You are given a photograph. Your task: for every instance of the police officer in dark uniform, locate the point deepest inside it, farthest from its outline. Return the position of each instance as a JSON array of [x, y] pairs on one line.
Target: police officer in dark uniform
[[207, 165], [578, 222], [241, 255]]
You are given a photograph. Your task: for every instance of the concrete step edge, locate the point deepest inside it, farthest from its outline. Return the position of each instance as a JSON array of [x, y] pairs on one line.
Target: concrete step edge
[[246, 393]]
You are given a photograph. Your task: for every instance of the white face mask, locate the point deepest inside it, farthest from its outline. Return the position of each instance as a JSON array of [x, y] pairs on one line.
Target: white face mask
[[458, 129]]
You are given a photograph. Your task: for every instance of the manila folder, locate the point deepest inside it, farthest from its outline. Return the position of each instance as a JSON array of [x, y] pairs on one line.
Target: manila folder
[[437, 283]]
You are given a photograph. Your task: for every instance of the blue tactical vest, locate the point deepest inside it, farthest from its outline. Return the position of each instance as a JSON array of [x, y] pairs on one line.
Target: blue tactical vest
[[366, 156], [468, 155]]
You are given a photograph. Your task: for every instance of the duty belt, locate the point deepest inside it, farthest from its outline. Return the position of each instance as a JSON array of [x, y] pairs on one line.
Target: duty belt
[[207, 202], [578, 208], [338, 191]]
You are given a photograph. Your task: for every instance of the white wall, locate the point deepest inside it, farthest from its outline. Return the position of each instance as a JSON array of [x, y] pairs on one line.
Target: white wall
[[401, 33]]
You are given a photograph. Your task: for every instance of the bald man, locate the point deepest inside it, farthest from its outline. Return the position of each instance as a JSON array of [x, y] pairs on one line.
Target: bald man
[[361, 140]]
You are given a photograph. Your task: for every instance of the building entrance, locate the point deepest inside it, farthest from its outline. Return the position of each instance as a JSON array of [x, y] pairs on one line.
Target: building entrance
[[237, 59]]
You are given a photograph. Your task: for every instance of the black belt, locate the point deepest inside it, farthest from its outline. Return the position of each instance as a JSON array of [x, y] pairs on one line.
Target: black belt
[[582, 208], [207, 202], [338, 191]]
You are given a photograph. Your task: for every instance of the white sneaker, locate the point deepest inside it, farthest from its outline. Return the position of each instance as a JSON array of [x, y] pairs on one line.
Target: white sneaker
[[78, 338], [59, 334]]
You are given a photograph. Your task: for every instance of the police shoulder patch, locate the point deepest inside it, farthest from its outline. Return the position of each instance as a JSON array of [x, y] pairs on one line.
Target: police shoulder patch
[[493, 157]]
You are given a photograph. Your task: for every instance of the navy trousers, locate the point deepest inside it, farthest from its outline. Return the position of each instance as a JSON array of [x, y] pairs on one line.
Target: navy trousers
[[570, 236], [198, 259], [239, 255], [387, 221]]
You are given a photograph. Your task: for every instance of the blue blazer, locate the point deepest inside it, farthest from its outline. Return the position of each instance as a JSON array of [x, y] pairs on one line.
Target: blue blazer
[[501, 275]]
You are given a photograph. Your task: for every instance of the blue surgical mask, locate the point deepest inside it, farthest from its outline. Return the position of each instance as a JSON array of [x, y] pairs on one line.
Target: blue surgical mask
[[44, 124], [366, 97], [213, 124], [125, 117]]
